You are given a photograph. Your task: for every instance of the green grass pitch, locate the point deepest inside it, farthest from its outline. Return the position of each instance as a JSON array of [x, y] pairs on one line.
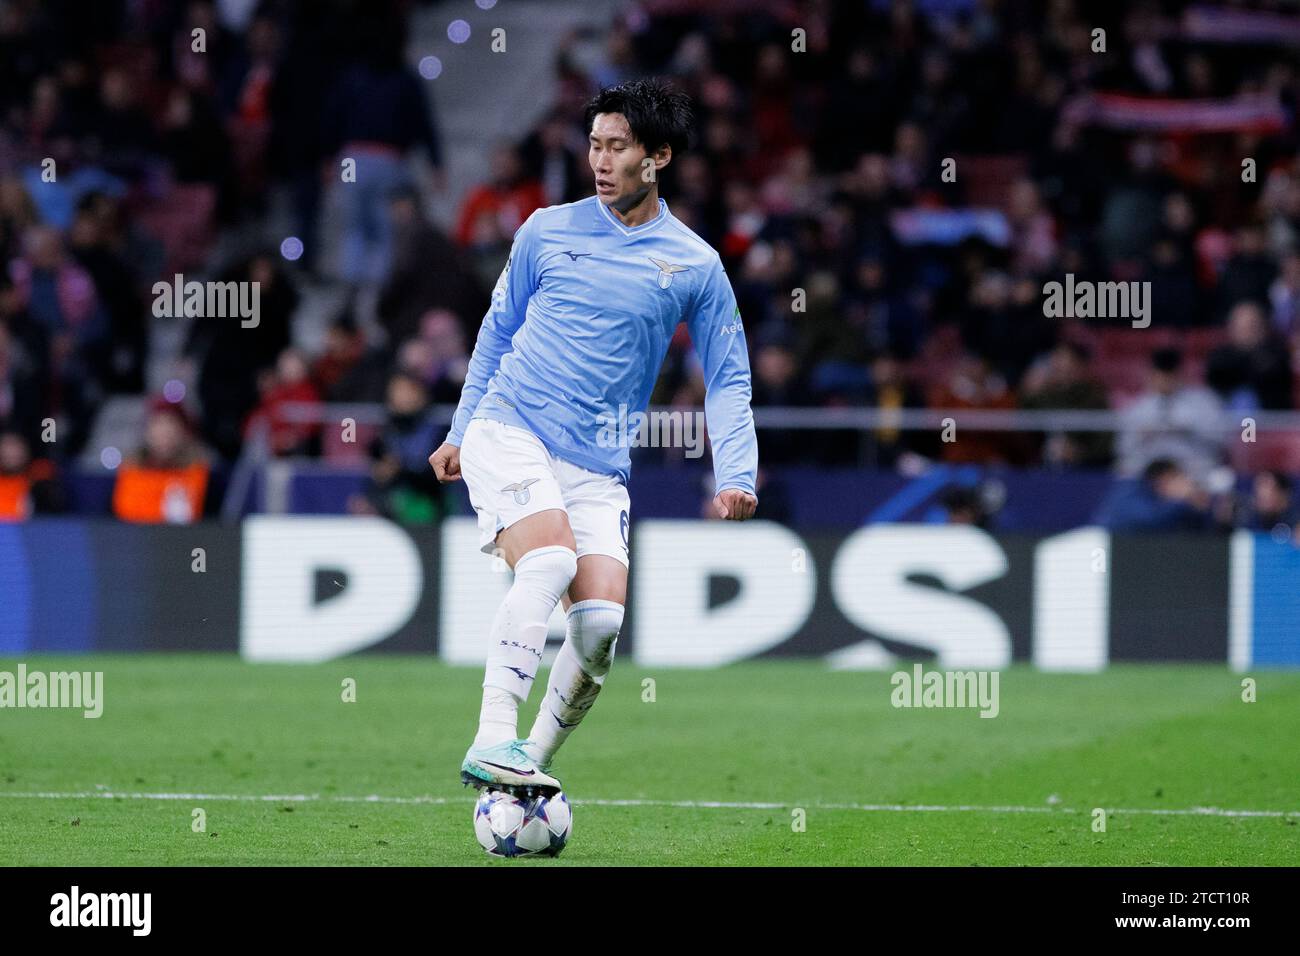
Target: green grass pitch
[[710, 772]]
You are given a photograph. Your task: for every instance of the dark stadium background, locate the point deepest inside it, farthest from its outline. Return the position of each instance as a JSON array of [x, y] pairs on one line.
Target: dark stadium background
[[879, 298]]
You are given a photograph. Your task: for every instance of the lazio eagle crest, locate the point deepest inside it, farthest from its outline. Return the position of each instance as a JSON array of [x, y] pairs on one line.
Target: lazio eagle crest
[[666, 271], [520, 490]]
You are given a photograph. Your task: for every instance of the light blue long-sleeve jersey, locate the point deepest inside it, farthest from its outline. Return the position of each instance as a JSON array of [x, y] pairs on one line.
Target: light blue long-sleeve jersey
[[578, 329]]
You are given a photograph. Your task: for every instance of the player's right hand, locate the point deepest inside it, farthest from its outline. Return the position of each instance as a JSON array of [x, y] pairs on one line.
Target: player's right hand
[[446, 463]]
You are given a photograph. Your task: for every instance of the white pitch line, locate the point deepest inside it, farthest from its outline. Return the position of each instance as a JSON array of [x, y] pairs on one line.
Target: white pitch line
[[682, 804]]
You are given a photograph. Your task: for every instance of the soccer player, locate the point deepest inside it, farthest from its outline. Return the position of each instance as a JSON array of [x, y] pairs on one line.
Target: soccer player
[[580, 321]]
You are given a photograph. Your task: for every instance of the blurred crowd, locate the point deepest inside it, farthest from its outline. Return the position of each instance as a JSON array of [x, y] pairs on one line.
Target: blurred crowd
[[889, 201]]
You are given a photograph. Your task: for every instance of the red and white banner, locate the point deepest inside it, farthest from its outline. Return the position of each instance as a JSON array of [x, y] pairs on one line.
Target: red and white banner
[[1252, 113]]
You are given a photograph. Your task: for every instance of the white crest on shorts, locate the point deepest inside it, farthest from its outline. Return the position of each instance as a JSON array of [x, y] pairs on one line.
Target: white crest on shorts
[[520, 490]]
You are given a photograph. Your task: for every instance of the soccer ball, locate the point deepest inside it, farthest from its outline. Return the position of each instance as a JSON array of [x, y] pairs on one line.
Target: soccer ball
[[511, 826]]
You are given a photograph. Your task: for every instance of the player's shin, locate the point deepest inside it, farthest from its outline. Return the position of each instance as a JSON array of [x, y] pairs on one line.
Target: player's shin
[[517, 637], [577, 675]]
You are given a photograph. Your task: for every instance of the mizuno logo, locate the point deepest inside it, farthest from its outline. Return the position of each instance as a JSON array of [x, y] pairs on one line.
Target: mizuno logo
[[575, 256], [666, 271]]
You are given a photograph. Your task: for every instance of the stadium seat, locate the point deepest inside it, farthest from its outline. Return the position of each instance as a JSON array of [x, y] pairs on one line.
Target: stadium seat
[[1134, 343], [989, 179], [336, 451], [1077, 330], [939, 353], [119, 423], [183, 222], [1124, 376], [1275, 449], [1198, 343]]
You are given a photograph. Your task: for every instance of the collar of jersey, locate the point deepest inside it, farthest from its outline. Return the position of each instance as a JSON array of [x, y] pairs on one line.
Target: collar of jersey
[[635, 230]]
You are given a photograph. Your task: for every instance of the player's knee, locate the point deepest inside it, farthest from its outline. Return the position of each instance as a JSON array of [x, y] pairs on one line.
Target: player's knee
[[594, 627], [550, 568]]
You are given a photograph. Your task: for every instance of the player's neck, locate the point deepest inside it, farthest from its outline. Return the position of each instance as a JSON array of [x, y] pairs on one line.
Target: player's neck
[[637, 209]]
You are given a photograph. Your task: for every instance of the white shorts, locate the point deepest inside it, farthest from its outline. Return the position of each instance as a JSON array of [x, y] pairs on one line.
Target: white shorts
[[510, 475]]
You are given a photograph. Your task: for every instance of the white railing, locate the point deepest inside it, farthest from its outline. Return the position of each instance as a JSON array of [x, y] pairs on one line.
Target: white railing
[[257, 448], [861, 419]]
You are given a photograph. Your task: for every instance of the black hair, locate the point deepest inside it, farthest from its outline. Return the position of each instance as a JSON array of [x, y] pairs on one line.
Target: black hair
[[1160, 468], [90, 200], [1167, 359], [656, 112], [401, 372], [961, 498]]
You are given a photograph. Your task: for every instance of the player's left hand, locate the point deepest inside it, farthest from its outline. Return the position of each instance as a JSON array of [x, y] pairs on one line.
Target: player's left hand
[[732, 504]]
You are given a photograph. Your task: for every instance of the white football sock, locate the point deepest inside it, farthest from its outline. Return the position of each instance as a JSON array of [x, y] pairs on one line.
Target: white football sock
[[498, 718], [578, 673], [517, 637]]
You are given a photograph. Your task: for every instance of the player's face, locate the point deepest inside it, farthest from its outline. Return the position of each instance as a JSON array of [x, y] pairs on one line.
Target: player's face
[[617, 160]]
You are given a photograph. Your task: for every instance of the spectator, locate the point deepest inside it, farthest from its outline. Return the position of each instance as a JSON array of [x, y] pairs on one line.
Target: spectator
[[555, 156], [1033, 231], [493, 211], [1249, 272], [1004, 322], [124, 141], [230, 357], [200, 69], [1175, 290], [288, 386], [168, 480], [119, 358], [1134, 209], [376, 113], [1165, 498], [344, 348], [246, 88], [1061, 380], [58, 295], [428, 271], [833, 347], [1171, 420], [17, 215], [974, 385], [886, 319], [445, 359], [350, 371], [21, 407], [777, 381], [893, 390], [1285, 299], [1253, 370], [297, 144], [965, 505], [27, 487], [63, 327], [1272, 506], [198, 147], [401, 485]]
